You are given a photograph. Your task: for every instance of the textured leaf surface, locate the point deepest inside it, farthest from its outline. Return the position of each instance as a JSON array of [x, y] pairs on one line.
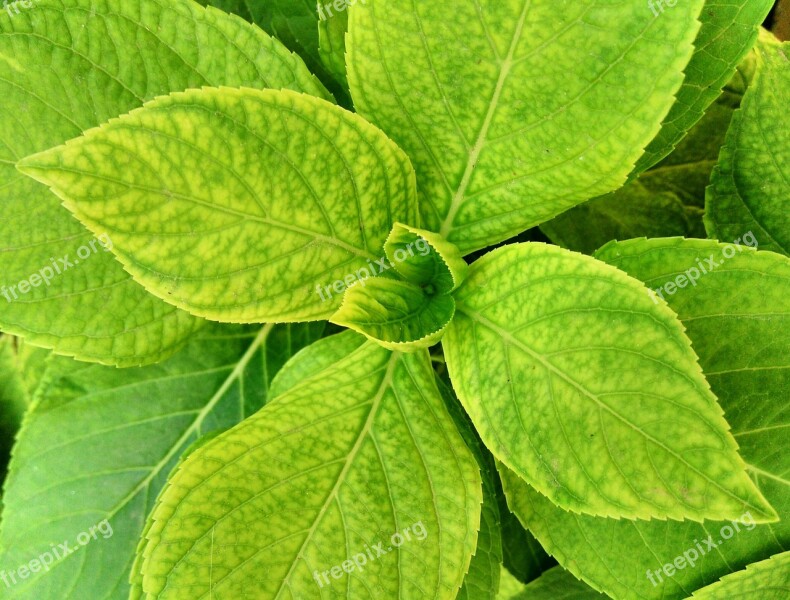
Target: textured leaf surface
[[750, 187], [304, 486], [66, 67], [100, 443], [550, 124], [296, 24], [244, 201], [399, 315], [766, 580], [729, 30], [592, 393], [741, 339]]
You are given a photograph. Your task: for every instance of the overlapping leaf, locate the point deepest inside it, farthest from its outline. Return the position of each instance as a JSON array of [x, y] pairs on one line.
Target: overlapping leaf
[[237, 205], [66, 67], [766, 580], [556, 584], [664, 201], [508, 115], [285, 502], [100, 443], [742, 340], [425, 258], [296, 24], [729, 30], [482, 579], [590, 391], [750, 187]]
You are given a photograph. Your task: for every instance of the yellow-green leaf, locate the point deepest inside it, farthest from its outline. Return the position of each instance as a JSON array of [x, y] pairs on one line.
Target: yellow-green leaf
[[589, 390], [425, 258], [368, 492], [516, 110], [66, 67], [237, 205], [399, 315]]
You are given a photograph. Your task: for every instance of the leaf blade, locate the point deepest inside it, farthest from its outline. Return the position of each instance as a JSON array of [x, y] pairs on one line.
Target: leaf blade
[[270, 220], [521, 343], [496, 163], [372, 504], [74, 76]]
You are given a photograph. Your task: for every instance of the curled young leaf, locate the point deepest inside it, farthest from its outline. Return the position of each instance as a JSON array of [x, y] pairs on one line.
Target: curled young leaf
[[399, 315], [425, 258]]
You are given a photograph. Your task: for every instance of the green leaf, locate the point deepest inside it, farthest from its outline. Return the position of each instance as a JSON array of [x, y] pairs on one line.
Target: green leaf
[[664, 201], [742, 340], [399, 315], [68, 67], [482, 579], [766, 580], [275, 195], [631, 211], [296, 24], [557, 584], [590, 391], [729, 30], [751, 184], [425, 258], [332, 44], [304, 488], [509, 118], [100, 442], [136, 575], [523, 555]]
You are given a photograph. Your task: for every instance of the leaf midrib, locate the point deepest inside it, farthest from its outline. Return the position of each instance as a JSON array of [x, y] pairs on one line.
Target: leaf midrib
[[31, 171], [573, 383], [477, 149], [363, 434], [237, 372]]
